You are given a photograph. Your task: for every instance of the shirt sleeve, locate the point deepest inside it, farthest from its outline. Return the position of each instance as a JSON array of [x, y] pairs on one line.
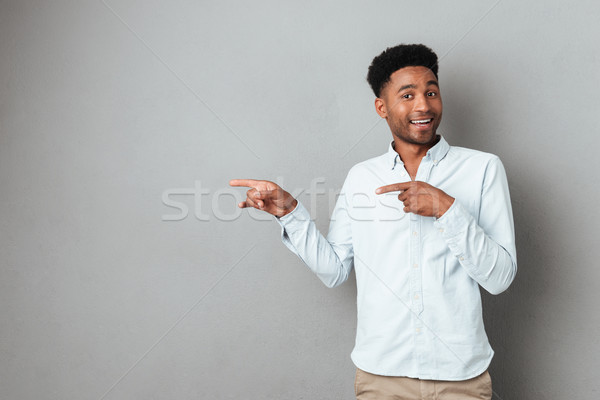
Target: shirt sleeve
[[484, 247], [331, 258]]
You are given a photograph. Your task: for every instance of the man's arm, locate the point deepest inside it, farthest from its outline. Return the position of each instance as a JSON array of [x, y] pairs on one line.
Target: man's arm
[[331, 258], [484, 247]]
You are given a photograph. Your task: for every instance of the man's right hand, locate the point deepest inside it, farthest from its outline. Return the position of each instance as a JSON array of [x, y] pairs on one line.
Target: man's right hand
[[266, 196]]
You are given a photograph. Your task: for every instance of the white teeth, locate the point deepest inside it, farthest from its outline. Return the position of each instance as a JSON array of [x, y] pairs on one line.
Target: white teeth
[[422, 121]]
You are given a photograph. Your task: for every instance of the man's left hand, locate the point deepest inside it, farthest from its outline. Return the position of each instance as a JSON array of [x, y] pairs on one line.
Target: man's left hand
[[420, 198]]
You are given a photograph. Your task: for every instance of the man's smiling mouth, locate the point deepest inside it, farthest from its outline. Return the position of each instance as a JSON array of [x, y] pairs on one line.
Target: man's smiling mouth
[[421, 121]]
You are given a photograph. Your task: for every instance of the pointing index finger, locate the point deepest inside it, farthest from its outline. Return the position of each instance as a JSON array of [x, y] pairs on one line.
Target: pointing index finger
[[394, 187], [244, 182]]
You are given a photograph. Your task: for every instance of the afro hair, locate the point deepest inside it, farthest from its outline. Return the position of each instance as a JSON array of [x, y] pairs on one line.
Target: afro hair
[[394, 58]]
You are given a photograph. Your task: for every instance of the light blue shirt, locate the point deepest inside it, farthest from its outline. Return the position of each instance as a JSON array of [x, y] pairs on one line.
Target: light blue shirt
[[418, 300]]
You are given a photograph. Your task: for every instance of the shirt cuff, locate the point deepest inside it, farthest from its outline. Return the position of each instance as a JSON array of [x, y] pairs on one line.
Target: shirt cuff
[[297, 217], [454, 221]]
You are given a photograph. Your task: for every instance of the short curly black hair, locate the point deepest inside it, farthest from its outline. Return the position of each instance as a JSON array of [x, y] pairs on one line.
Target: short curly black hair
[[394, 58]]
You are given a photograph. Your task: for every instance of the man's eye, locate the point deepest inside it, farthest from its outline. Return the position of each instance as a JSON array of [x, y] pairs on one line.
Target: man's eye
[[406, 96], [431, 94]]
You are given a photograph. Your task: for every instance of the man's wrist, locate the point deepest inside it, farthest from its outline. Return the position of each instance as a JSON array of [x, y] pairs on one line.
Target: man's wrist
[[445, 205], [289, 209]]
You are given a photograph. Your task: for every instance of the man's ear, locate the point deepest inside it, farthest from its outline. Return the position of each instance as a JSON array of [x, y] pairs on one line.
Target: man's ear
[[380, 108]]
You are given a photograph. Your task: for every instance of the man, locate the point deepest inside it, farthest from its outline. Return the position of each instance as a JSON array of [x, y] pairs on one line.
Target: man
[[419, 256]]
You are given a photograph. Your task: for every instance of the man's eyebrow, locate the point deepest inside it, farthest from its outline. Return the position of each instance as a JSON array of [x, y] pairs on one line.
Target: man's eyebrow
[[406, 87], [411, 86]]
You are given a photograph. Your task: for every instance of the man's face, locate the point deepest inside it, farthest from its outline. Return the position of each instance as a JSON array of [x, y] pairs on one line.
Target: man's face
[[412, 105]]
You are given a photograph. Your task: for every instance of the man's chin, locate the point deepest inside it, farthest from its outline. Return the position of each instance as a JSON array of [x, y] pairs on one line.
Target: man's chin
[[420, 138]]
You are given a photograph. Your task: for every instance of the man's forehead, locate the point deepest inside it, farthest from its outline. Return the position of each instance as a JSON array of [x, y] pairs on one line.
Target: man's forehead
[[413, 74]]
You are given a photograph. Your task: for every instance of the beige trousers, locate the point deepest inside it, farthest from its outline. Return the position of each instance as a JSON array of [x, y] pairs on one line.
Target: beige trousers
[[376, 387]]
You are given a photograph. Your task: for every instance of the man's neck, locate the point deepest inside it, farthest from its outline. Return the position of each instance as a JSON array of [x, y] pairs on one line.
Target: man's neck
[[411, 153]]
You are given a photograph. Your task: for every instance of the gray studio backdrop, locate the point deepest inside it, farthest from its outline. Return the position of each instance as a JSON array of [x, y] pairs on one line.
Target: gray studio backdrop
[[127, 272]]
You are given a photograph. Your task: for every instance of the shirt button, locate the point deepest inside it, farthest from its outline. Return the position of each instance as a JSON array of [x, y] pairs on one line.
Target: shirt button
[[415, 233], [462, 259], [441, 230], [418, 330], [415, 265], [416, 297]]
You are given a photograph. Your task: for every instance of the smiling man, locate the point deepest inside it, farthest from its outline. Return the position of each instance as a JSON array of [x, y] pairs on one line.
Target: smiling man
[[424, 226]]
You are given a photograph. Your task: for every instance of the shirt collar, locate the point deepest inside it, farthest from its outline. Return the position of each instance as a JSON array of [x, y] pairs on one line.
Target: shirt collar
[[435, 154]]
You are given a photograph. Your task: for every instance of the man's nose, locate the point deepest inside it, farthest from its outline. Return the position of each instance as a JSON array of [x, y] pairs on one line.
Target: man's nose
[[421, 103]]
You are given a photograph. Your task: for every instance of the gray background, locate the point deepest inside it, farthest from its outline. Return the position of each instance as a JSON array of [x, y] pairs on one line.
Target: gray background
[[105, 106]]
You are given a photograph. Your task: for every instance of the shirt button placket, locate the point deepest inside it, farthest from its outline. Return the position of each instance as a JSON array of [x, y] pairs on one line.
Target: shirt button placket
[[416, 277], [415, 273], [416, 295]]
